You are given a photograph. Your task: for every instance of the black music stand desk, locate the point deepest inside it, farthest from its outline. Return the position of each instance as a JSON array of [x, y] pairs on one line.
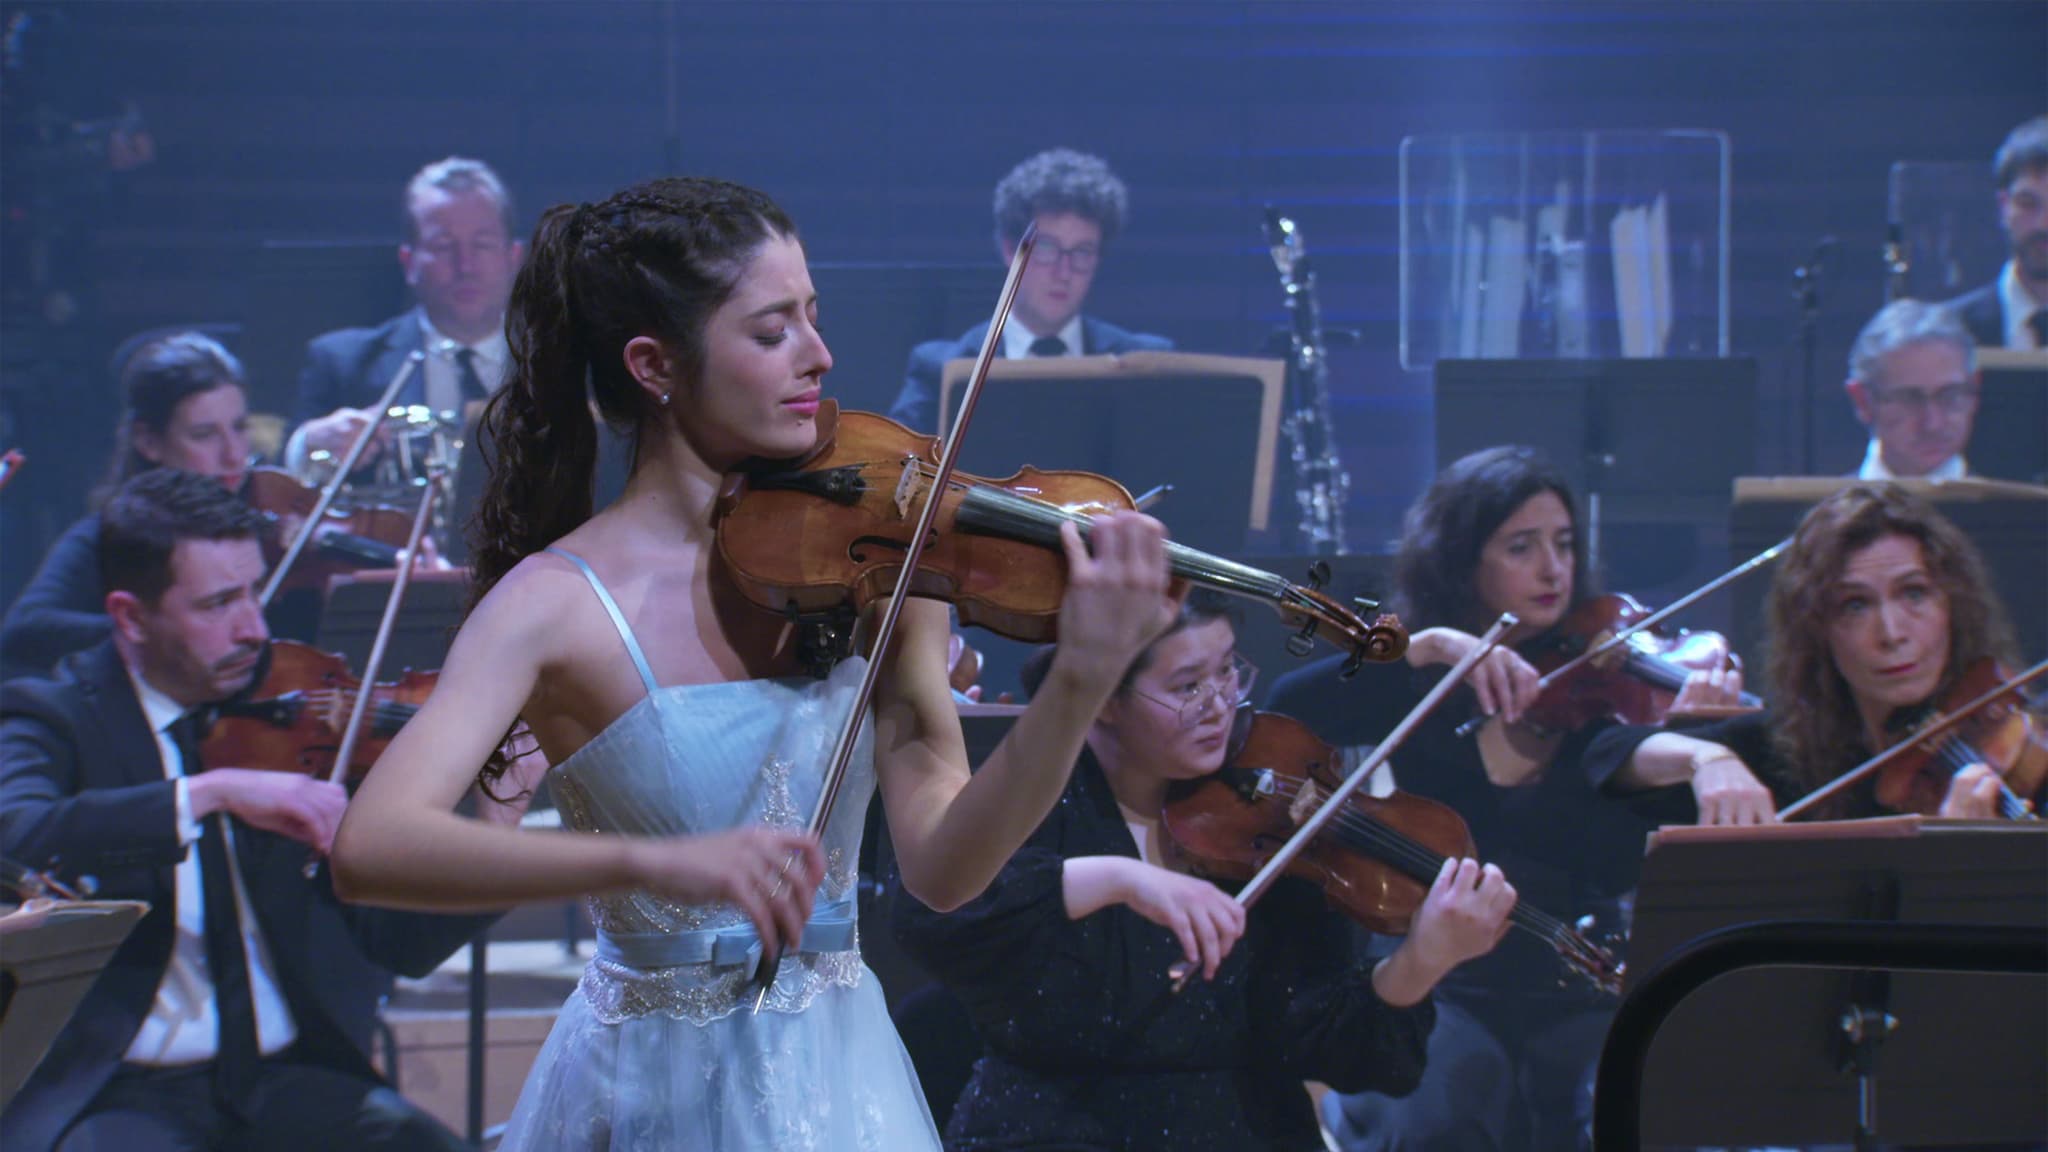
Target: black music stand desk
[[1758, 1055], [51, 953]]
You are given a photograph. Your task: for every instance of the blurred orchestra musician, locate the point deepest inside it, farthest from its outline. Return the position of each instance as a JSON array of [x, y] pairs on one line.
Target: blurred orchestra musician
[[1079, 206], [459, 257], [1913, 383], [1877, 611], [1514, 1046], [2012, 311], [186, 407], [239, 1011]]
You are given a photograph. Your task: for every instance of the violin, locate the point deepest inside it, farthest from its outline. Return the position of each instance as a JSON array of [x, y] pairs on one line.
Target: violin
[[2001, 734], [291, 717], [822, 537], [365, 537], [1378, 857], [1635, 684]]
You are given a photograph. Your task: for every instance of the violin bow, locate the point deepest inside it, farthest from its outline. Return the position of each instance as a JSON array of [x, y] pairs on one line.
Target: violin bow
[[351, 733], [328, 491], [1938, 728], [885, 633], [1334, 802], [1621, 636]]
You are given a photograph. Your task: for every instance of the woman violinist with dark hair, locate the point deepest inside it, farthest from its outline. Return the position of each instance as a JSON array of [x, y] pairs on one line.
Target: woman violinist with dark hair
[[1063, 963], [687, 742], [1878, 611], [1497, 531]]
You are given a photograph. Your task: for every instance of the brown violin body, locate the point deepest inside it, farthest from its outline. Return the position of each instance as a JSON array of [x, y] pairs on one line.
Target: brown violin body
[[825, 535], [1375, 861], [349, 539], [2002, 735], [292, 717], [1634, 684]]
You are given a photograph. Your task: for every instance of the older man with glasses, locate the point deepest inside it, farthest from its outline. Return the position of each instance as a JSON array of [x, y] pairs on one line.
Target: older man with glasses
[[1913, 382]]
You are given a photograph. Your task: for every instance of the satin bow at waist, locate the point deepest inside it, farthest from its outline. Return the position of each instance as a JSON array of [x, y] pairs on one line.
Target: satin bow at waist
[[830, 929]]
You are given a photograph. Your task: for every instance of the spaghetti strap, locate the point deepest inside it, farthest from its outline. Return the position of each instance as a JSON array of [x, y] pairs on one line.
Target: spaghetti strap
[[618, 618]]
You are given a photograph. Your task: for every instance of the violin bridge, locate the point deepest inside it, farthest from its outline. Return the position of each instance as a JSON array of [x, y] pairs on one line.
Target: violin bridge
[[1306, 802], [907, 486]]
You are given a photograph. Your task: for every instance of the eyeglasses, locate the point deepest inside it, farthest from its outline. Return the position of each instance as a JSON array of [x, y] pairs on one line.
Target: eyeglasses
[[1953, 400], [1080, 259], [1189, 701]]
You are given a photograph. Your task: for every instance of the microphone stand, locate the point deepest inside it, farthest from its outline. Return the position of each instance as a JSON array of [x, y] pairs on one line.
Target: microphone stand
[[1806, 290]]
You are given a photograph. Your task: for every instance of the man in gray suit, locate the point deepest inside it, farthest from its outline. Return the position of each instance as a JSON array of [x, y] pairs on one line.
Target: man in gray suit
[[459, 257], [2012, 311], [1079, 206]]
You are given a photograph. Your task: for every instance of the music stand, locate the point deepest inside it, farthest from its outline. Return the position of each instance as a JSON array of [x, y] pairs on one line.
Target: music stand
[[1758, 1055], [433, 608], [50, 953], [1650, 446], [2010, 437], [1204, 424]]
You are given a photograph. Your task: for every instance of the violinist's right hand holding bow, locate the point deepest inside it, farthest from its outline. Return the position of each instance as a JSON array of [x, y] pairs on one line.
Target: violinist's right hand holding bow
[[298, 807], [1726, 790], [1504, 682], [1462, 918]]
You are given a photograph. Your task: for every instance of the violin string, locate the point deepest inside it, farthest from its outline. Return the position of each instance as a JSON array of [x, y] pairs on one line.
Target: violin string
[[1957, 754], [1419, 860]]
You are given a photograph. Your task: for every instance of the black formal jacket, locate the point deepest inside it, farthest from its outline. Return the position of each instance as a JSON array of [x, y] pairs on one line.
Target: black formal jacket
[[351, 367], [83, 793], [1983, 313], [917, 406], [1089, 1049], [63, 609]]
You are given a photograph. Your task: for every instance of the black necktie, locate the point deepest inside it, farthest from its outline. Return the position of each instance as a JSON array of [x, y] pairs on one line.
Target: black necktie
[[1048, 346], [239, 1058], [2039, 323], [472, 384]]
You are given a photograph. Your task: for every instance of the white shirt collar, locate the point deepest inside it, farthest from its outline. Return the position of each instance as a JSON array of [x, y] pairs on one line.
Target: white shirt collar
[[1953, 468], [160, 710], [1017, 338], [2017, 303], [492, 350]]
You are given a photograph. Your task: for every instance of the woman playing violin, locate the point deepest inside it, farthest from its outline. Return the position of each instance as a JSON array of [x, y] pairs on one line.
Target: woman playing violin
[[687, 744], [1496, 532], [186, 408], [1878, 609], [1063, 963]]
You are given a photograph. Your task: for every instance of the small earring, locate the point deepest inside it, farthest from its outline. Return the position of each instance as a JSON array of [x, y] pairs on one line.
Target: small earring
[[666, 397]]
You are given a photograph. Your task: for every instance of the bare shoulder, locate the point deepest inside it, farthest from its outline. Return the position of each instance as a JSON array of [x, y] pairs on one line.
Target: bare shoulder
[[530, 606]]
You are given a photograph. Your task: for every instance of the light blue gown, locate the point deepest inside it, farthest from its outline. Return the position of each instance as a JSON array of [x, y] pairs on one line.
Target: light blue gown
[[658, 1048]]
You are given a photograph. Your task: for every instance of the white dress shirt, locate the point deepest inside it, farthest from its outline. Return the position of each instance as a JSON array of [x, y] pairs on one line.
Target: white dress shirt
[[1953, 468], [1017, 339], [2017, 303], [182, 1027]]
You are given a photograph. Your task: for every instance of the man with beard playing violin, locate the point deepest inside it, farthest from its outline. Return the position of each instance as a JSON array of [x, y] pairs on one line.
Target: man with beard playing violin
[[1063, 963], [1877, 610], [239, 1011]]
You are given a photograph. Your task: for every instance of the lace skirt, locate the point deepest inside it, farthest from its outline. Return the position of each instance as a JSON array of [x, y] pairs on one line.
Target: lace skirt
[[829, 1076]]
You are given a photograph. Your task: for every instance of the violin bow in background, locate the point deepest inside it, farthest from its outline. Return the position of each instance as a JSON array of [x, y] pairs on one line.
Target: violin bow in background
[[1621, 636], [1334, 802], [304, 535], [885, 634]]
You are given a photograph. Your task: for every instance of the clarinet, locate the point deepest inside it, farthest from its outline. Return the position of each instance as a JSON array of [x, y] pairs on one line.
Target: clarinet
[[1322, 487]]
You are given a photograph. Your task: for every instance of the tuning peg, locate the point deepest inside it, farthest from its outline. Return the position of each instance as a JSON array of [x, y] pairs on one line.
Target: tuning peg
[[1318, 575], [1365, 604], [1302, 642]]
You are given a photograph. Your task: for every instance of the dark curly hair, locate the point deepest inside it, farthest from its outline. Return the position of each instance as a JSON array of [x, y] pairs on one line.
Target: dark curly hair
[[1435, 573], [654, 260], [1823, 736], [144, 519], [1056, 181]]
